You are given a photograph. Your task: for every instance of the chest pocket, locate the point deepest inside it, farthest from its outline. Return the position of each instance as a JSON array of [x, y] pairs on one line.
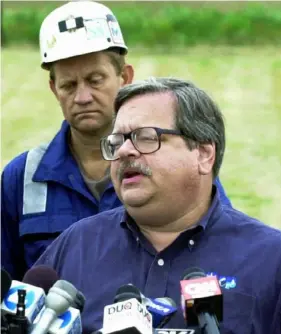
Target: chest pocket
[[238, 313]]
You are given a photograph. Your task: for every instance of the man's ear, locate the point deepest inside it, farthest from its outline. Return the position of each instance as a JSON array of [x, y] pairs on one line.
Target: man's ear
[[206, 158], [127, 74], [53, 88]]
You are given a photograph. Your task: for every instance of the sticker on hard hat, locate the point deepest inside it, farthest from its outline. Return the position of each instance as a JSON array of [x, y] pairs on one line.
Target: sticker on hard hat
[[114, 28], [51, 42], [95, 29], [71, 24]]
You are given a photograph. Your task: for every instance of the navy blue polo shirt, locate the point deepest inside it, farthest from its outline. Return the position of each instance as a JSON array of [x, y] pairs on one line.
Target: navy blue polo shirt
[[103, 252]]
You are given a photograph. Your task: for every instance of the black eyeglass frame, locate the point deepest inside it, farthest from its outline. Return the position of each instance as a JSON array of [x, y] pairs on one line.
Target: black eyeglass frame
[[159, 132]]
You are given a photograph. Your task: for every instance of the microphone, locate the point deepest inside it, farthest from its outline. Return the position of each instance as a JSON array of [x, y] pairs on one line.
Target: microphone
[[161, 309], [126, 292], [34, 300], [79, 301], [45, 277], [18, 323], [6, 282], [201, 300], [24, 300], [127, 314], [41, 276], [67, 323], [57, 302], [70, 321]]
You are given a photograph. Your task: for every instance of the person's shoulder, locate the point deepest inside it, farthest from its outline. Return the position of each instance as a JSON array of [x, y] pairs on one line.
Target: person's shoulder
[[15, 166], [250, 226]]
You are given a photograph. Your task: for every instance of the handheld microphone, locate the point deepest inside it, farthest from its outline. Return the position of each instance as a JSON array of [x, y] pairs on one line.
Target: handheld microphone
[[161, 309], [70, 321], [127, 314], [45, 277], [18, 323], [67, 323], [57, 301], [201, 300], [34, 300], [35, 282]]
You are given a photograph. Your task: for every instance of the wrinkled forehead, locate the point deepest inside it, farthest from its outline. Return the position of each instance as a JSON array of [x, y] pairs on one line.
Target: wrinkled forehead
[[83, 65], [157, 110]]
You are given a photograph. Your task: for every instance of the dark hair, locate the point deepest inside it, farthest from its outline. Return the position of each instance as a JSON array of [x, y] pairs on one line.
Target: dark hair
[[116, 58], [197, 117]]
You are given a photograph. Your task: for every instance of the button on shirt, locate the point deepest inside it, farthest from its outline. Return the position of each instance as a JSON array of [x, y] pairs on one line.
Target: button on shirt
[[101, 253]]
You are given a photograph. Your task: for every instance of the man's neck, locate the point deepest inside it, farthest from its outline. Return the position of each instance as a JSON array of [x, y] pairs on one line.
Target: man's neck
[[163, 235], [84, 146], [87, 153]]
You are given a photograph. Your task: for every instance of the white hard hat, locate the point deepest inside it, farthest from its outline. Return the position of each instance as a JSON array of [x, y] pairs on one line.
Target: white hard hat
[[77, 28]]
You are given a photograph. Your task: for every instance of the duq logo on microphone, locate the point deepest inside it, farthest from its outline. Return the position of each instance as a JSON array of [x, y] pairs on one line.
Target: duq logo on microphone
[[129, 315]]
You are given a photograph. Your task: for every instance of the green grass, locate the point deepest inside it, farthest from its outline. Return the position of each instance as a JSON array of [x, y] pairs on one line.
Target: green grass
[[245, 82], [182, 23]]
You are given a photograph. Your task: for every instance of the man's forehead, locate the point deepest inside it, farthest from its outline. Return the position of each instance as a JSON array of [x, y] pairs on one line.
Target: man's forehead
[[84, 63], [130, 123], [146, 108]]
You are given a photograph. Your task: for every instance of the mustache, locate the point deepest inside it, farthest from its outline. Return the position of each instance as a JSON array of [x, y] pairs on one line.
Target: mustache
[[139, 168]]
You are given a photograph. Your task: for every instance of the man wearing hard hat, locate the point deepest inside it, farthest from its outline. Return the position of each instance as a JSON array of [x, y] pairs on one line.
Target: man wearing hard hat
[[50, 187]]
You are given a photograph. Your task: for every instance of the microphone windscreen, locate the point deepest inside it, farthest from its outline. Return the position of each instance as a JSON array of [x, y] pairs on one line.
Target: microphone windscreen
[[6, 282], [67, 287], [126, 292], [41, 276], [193, 272]]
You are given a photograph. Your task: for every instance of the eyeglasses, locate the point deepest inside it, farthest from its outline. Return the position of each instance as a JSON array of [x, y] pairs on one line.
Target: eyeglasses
[[145, 140]]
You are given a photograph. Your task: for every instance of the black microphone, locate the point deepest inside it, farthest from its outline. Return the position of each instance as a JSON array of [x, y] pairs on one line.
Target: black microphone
[[79, 301], [127, 291], [6, 282], [202, 300], [18, 323]]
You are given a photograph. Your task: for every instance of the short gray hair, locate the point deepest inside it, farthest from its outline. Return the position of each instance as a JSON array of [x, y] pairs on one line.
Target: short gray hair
[[197, 116]]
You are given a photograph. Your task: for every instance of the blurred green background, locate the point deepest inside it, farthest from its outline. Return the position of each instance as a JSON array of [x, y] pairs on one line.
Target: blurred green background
[[241, 72]]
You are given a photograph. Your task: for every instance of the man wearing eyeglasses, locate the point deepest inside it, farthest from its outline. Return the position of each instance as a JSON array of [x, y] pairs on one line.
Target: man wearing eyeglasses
[[50, 187], [166, 148]]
